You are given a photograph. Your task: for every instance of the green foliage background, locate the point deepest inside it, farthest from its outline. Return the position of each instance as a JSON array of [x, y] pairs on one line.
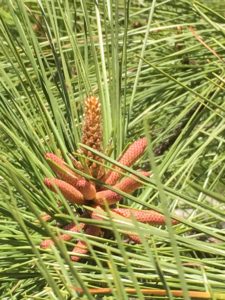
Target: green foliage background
[[150, 63]]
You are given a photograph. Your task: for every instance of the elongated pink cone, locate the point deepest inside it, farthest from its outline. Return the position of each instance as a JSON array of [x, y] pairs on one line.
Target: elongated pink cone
[[46, 244], [86, 188], [57, 164], [58, 160], [127, 185], [81, 246], [68, 191], [144, 216], [65, 236], [67, 175], [107, 196], [131, 155], [72, 228], [135, 238], [130, 184]]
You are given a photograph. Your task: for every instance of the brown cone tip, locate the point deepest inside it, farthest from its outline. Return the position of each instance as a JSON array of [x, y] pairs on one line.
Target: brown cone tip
[[92, 132]]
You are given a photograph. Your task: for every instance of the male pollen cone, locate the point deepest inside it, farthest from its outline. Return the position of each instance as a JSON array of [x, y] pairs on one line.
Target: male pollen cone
[[127, 185], [86, 188], [68, 191], [65, 236], [129, 157], [108, 196], [81, 246], [62, 170], [144, 216], [46, 244], [130, 184], [135, 238], [72, 228]]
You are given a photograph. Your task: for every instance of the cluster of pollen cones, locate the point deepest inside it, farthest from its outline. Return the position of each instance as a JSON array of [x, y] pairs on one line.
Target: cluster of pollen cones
[[78, 190]]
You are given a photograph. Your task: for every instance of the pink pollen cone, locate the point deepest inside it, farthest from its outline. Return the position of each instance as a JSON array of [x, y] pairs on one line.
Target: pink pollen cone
[[57, 164], [127, 185], [130, 156], [68, 191], [144, 216], [81, 246]]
